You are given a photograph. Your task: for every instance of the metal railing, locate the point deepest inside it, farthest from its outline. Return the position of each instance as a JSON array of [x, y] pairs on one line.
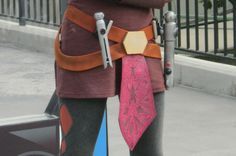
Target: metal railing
[[205, 29], [43, 12]]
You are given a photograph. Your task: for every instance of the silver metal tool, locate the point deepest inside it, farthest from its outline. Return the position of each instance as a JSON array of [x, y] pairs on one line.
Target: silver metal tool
[[103, 31], [170, 33]]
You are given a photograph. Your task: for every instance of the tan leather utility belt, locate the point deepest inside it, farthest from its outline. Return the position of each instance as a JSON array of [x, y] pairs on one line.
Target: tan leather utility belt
[[94, 59]]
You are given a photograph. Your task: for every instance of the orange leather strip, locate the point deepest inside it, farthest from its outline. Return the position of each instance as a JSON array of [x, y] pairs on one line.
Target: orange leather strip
[[117, 34], [92, 60], [149, 32], [84, 62], [80, 18], [152, 50], [88, 23]]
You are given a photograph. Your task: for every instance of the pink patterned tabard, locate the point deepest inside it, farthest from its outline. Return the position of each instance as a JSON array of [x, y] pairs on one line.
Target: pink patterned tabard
[[137, 109]]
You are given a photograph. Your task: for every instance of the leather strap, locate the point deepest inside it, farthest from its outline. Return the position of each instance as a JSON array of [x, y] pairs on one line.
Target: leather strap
[[88, 23], [94, 59]]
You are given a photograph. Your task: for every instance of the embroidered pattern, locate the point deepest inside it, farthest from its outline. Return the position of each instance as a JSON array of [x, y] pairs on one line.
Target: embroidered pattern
[[137, 108]]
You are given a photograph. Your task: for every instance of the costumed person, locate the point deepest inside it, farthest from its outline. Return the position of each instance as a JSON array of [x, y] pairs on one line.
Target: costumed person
[[134, 73]]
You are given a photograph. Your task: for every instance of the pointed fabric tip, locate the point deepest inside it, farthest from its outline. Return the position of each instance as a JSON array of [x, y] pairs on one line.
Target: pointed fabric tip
[[137, 109], [132, 140]]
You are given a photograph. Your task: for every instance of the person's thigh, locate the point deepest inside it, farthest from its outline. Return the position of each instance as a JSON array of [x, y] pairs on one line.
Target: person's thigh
[[80, 122], [150, 143]]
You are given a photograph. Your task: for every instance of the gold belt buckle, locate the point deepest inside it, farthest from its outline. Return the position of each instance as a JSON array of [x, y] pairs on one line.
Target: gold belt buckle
[[135, 42]]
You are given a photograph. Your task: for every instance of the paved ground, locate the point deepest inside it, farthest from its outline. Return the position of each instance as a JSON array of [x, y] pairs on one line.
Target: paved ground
[[26, 80], [196, 124]]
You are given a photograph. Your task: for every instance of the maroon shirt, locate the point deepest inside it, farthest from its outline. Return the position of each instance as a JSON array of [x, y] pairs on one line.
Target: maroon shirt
[[99, 82]]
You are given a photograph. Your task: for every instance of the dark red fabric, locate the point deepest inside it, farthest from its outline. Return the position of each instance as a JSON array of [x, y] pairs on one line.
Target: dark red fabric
[[63, 146], [148, 4], [65, 119], [98, 83]]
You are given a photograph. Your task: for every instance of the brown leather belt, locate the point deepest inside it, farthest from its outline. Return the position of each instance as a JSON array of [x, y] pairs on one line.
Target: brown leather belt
[[94, 59]]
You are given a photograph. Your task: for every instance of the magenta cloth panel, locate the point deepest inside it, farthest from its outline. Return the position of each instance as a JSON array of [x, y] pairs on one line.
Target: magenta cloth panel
[[137, 109]]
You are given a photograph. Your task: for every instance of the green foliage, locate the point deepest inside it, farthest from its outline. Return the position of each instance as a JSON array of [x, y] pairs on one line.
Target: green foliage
[[208, 3], [219, 3]]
